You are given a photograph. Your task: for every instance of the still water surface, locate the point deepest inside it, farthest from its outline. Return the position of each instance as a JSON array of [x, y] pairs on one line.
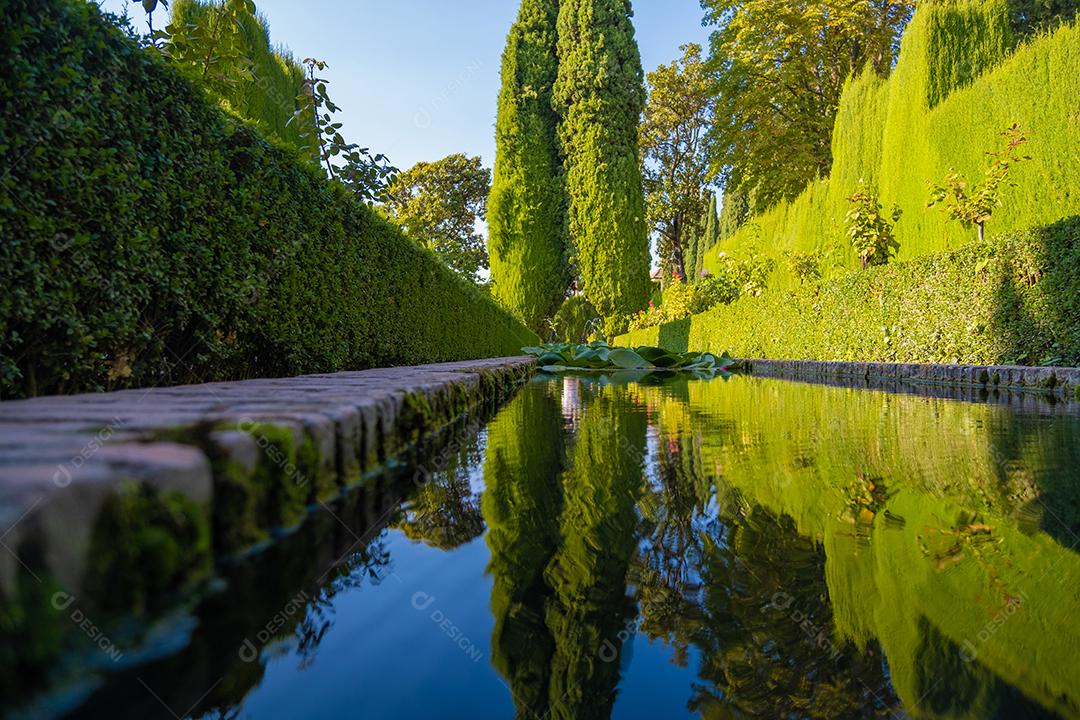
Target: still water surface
[[717, 549]]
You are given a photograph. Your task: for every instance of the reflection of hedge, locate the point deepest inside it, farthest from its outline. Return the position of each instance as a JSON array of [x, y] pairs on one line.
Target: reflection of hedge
[[954, 89], [149, 238], [1008, 300]]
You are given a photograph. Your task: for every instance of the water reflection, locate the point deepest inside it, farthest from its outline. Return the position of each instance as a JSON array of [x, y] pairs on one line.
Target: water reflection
[[797, 551], [826, 553]]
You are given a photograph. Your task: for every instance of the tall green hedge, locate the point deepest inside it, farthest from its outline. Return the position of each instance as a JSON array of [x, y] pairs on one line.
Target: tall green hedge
[[600, 96], [266, 95], [958, 83], [1009, 300], [148, 238], [527, 241]]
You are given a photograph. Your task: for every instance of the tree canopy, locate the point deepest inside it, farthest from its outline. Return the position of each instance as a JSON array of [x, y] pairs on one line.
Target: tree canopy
[[675, 161], [438, 205], [527, 206], [600, 96], [780, 68]]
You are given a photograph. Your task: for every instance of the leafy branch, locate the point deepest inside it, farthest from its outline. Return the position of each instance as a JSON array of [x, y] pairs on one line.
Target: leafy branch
[[870, 230], [978, 205], [365, 175]]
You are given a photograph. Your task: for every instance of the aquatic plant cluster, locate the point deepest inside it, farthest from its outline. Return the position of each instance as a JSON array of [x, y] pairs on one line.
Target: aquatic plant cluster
[[599, 356]]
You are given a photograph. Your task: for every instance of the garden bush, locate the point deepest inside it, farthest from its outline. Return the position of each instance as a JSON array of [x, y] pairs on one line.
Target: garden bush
[[1008, 300], [960, 80], [150, 238], [731, 280]]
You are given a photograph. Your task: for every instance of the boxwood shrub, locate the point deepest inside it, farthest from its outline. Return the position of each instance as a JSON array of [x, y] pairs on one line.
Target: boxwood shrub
[[1009, 300], [146, 237]]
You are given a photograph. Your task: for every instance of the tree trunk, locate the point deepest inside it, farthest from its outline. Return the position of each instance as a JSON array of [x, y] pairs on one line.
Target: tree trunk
[[982, 231]]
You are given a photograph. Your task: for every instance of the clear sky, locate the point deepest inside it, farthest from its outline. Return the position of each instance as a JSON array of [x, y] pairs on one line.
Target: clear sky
[[419, 79]]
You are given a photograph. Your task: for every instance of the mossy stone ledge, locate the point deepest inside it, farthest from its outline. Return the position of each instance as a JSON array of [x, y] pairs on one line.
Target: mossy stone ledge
[[182, 475]]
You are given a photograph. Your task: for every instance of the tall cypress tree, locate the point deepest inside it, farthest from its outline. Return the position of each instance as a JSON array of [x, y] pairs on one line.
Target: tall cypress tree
[[710, 235], [527, 206], [600, 96], [735, 213]]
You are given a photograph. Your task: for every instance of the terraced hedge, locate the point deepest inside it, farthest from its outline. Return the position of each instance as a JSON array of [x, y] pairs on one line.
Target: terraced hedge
[[148, 238], [960, 81], [1009, 300]]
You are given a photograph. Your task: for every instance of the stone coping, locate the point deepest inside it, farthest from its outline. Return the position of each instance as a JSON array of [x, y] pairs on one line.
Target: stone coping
[[214, 467], [1048, 382]]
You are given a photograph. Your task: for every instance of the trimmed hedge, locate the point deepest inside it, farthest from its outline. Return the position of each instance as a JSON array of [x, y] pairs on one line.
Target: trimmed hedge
[[1010, 300], [148, 238], [957, 85]]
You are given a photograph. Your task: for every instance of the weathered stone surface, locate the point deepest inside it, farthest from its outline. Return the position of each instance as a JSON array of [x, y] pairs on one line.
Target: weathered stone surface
[[1012, 384], [62, 458]]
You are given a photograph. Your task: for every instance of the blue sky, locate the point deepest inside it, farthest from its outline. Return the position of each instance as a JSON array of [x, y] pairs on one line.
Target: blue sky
[[419, 79]]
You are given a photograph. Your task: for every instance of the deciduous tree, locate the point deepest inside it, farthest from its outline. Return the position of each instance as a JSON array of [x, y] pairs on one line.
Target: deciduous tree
[[675, 162], [438, 204], [780, 69]]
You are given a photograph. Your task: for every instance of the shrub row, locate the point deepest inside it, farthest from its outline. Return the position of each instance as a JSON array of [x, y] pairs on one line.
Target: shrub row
[[149, 238], [957, 84], [1009, 300]]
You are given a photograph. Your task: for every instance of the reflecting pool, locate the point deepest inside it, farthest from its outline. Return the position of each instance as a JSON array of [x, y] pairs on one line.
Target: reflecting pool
[[722, 549]]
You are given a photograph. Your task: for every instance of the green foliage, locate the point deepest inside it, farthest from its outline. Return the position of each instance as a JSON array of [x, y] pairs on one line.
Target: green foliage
[[707, 238], [576, 321], [438, 204], [150, 239], [572, 357], [526, 210], [869, 230], [733, 216], [731, 280], [224, 46], [978, 205], [1019, 295], [1034, 16], [600, 97], [805, 267], [887, 134], [365, 176], [780, 70], [674, 152]]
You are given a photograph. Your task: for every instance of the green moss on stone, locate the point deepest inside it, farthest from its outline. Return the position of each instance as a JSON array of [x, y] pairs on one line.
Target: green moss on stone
[[416, 416], [237, 497], [146, 544], [33, 633], [321, 483], [283, 491]]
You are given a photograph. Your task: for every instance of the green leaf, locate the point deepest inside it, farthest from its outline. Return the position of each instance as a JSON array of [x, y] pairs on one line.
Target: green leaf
[[628, 359]]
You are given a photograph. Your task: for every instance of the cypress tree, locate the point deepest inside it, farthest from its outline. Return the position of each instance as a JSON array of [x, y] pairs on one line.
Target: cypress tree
[[710, 235], [734, 214], [527, 206], [600, 96], [695, 246]]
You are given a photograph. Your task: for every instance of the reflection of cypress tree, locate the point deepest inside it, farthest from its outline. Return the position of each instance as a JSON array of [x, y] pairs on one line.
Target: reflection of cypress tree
[[590, 607], [521, 504]]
